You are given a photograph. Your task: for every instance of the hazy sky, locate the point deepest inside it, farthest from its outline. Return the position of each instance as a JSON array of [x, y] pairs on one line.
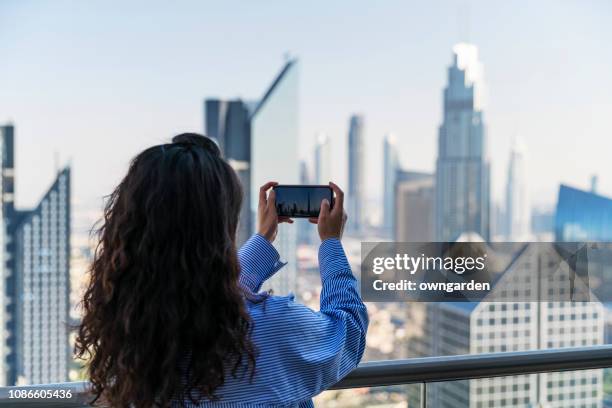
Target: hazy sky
[[96, 81]]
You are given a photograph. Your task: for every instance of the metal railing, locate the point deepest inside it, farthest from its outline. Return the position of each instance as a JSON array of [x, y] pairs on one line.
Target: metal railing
[[384, 373]]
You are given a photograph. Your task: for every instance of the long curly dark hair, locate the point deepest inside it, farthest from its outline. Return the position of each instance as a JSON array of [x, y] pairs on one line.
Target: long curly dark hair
[[164, 314]]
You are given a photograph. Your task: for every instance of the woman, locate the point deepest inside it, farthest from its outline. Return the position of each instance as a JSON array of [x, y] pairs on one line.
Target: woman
[[172, 313]]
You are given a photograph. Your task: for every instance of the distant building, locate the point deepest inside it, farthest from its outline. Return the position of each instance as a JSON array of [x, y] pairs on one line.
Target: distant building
[[8, 222], [322, 160], [414, 207], [462, 169], [260, 141], [356, 163], [452, 328], [499, 223], [303, 226], [543, 224], [518, 212], [390, 168], [582, 216]]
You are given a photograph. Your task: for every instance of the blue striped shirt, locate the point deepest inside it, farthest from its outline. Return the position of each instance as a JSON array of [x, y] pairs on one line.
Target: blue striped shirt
[[300, 352]]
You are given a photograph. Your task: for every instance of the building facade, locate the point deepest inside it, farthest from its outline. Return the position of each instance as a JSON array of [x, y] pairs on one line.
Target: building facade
[[43, 287], [355, 172], [518, 324], [322, 160], [518, 212], [390, 168], [8, 221], [462, 169]]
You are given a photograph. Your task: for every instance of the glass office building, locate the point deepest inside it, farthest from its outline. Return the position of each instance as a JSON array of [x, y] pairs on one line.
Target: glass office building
[[274, 157], [582, 216], [260, 141], [43, 287]]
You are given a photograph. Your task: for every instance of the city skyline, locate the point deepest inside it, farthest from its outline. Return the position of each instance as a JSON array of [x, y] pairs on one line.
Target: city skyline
[[89, 108]]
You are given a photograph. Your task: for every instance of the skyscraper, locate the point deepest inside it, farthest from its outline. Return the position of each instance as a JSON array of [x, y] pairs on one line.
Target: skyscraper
[[304, 229], [462, 169], [260, 141], [322, 159], [518, 213], [582, 216], [7, 260], [274, 156], [355, 172], [43, 287], [390, 167], [35, 279]]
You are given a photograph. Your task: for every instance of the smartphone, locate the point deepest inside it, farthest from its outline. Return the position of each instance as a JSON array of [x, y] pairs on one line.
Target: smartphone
[[298, 201]]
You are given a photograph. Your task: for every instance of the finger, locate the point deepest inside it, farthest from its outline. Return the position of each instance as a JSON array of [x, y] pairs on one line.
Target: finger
[[272, 200], [339, 201], [313, 220], [285, 219], [263, 190], [324, 213]]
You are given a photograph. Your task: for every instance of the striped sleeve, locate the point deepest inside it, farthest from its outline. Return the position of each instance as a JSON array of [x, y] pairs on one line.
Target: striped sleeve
[[259, 260], [341, 302], [320, 348]]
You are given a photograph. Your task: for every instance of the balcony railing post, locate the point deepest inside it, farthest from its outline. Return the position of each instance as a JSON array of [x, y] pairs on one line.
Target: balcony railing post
[[423, 401]]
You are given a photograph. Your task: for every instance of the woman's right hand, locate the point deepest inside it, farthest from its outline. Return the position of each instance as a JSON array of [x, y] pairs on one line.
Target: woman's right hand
[[331, 223]]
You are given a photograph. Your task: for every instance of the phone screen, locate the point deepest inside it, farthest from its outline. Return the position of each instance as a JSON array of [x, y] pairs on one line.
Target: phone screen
[[301, 201]]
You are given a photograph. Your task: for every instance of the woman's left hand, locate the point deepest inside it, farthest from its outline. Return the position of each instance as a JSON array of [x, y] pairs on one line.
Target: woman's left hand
[[267, 218]]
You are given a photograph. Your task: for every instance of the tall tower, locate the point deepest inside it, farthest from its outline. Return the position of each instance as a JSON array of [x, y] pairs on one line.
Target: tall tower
[[322, 160], [274, 157], [462, 169], [390, 167], [355, 172], [518, 214], [8, 221]]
